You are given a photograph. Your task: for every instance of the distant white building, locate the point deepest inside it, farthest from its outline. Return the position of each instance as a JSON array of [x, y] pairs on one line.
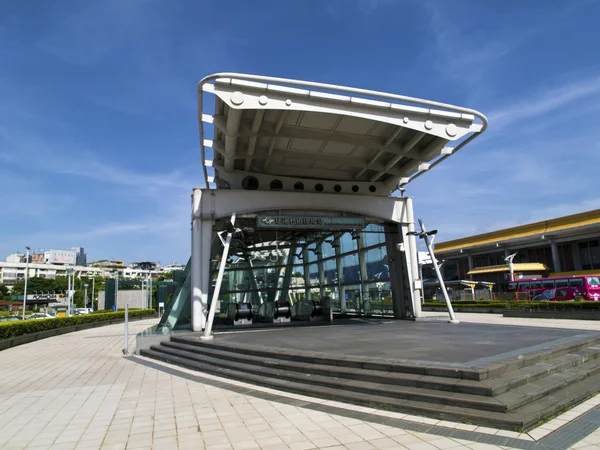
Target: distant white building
[[172, 267], [11, 272], [74, 257], [15, 258]]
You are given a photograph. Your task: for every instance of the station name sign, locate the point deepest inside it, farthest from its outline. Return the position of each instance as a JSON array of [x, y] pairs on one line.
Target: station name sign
[[310, 222]]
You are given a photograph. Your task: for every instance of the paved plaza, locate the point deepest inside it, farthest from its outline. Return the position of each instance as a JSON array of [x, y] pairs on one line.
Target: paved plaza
[[79, 391]]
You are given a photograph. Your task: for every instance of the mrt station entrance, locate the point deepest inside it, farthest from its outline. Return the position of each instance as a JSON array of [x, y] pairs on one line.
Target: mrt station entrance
[[307, 257], [299, 213]]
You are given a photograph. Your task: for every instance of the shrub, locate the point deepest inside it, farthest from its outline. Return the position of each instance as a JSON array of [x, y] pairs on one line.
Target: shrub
[[13, 329], [538, 305]]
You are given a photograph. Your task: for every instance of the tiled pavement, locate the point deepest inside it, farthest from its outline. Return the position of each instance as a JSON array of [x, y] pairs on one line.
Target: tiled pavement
[[78, 391]]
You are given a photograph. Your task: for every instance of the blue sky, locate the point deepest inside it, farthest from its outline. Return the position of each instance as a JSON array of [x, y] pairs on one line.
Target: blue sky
[[98, 125]]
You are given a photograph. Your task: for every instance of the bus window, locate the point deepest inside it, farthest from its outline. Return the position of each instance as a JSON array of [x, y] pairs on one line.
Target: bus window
[[561, 283], [524, 285], [536, 284], [576, 282], [548, 283], [593, 281], [512, 286]]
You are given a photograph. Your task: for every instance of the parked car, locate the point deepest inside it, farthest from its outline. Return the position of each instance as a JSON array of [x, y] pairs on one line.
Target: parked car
[[79, 311], [10, 318], [40, 316]]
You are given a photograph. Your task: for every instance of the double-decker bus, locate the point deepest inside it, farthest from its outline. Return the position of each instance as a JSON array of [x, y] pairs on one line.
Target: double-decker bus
[[556, 289]]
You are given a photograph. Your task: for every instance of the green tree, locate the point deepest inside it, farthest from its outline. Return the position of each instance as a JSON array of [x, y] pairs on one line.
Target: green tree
[[3, 291], [165, 276]]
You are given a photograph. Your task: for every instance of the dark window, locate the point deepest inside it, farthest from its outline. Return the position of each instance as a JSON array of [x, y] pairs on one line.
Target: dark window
[[355, 188], [319, 187], [512, 286], [548, 283], [299, 186], [372, 188], [561, 283], [337, 188], [576, 282], [524, 285], [536, 284]]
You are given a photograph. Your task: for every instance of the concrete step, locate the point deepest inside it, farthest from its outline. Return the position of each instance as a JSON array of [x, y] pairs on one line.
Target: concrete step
[[375, 376], [548, 385], [433, 369], [438, 411], [533, 357], [528, 374], [558, 402], [367, 387]]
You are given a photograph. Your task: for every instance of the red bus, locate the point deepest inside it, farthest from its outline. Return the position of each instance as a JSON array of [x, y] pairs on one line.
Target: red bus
[[556, 289]]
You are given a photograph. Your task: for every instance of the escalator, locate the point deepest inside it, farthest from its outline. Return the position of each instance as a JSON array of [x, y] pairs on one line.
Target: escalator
[[177, 314]]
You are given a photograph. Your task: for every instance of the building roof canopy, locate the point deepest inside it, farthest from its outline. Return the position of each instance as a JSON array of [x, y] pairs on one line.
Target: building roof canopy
[[281, 134], [518, 267]]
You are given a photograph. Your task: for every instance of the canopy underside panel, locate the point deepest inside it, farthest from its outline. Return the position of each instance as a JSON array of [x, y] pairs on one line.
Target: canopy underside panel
[[269, 136]]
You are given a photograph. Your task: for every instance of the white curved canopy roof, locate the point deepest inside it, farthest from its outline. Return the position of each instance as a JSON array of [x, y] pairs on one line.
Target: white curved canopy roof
[[281, 134]]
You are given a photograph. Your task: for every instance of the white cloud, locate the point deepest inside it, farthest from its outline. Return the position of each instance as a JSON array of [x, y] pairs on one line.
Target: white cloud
[[544, 102]]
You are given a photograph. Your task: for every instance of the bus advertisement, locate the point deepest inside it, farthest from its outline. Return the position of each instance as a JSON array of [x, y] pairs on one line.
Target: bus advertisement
[[585, 288]]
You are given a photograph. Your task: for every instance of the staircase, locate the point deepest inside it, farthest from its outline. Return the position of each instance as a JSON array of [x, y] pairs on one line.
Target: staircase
[[515, 396]]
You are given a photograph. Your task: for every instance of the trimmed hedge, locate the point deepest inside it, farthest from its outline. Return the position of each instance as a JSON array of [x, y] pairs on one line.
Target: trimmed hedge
[[12, 329]]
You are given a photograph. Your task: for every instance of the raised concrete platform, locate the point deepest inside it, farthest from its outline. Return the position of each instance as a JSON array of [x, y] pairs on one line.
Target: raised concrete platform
[[506, 376]]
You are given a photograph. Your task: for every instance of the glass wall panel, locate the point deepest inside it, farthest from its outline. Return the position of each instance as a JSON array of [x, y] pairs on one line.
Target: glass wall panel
[[312, 248], [347, 244], [330, 269], [373, 234], [314, 273], [377, 263], [353, 301], [327, 249], [351, 268]]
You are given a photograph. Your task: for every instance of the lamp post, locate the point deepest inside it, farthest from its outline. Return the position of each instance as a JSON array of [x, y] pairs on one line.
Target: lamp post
[[511, 267], [424, 234], [93, 289], [85, 295], [26, 279], [69, 287]]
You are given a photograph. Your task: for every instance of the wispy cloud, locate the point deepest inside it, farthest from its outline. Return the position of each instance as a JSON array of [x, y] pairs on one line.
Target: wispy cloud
[[544, 102], [63, 158]]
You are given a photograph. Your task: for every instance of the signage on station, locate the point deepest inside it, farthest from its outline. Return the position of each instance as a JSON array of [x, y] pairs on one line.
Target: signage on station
[[315, 222]]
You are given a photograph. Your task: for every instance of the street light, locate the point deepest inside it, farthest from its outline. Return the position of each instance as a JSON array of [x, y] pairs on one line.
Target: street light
[[69, 270], [85, 294], [424, 234], [26, 279]]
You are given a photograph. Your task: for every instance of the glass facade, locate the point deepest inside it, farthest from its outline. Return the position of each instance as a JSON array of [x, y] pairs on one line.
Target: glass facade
[[350, 267]]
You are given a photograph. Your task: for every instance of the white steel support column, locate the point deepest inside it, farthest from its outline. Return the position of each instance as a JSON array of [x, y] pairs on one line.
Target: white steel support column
[[215, 299], [198, 319], [555, 256], [412, 260], [436, 267], [200, 268]]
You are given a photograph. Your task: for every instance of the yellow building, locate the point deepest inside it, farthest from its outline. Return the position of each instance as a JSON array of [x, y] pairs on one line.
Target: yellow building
[[568, 245]]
